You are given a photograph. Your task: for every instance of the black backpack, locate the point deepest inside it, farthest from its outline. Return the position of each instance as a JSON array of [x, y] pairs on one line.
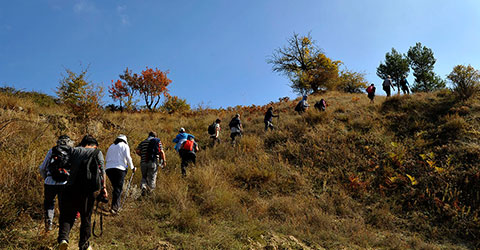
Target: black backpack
[[299, 107], [59, 165], [153, 149], [93, 175], [211, 129], [235, 122]]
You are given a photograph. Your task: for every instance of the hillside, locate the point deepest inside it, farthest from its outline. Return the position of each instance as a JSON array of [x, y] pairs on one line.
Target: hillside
[[401, 173]]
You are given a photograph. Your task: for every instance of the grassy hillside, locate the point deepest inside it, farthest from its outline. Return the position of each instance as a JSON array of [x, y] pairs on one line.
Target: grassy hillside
[[400, 173]]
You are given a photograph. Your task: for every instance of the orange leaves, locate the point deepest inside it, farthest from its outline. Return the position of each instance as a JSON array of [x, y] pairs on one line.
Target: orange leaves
[[118, 90]]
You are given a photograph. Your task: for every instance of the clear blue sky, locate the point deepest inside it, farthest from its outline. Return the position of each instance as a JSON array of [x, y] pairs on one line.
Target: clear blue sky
[[216, 50]]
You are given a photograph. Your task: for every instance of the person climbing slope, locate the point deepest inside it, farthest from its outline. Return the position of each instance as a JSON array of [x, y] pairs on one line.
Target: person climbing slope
[[117, 161]]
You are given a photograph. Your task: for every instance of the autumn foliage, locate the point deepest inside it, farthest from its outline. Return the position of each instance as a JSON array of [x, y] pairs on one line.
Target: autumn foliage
[[151, 84]]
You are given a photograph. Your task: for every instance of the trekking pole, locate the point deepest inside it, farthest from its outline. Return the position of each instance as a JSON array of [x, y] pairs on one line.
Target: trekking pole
[[126, 191]]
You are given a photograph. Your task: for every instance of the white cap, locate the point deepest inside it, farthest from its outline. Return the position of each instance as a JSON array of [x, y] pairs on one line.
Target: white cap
[[123, 137], [182, 130]]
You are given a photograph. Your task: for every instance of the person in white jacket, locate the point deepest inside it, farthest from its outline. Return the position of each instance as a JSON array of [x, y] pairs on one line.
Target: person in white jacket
[[117, 161]]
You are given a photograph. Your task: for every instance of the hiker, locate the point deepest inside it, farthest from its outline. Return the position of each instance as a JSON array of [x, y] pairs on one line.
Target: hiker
[[268, 119], [117, 161], [180, 138], [387, 83], [214, 132], [148, 165], [302, 105], [321, 105], [405, 85], [52, 187], [371, 92], [87, 176], [188, 151], [235, 128]]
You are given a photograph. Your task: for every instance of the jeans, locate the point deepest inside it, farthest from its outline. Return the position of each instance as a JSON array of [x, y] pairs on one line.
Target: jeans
[[116, 177], [70, 202]]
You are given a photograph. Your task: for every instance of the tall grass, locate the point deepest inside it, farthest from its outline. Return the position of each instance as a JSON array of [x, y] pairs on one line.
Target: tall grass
[[333, 179]]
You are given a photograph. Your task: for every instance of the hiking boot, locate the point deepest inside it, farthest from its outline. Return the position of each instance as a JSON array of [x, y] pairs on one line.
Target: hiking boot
[[63, 245], [113, 211]]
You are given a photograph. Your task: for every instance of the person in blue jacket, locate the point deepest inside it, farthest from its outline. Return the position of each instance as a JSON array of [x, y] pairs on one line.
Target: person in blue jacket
[[180, 138]]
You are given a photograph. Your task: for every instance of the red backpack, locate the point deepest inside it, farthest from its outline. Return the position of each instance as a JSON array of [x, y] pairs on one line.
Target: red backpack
[[370, 89], [188, 145]]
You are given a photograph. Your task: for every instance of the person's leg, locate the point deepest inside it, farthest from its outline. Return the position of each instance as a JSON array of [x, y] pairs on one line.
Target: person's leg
[[49, 205], [68, 211], [117, 178], [184, 165], [144, 182], [152, 175], [86, 209]]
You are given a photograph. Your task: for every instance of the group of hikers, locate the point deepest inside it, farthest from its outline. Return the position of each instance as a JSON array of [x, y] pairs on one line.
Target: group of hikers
[[75, 174], [387, 84]]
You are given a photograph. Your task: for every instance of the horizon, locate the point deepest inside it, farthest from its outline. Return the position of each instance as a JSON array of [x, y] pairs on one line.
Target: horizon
[[217, 52]]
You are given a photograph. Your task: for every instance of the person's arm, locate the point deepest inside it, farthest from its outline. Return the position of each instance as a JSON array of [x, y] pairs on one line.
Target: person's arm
[[129, 157], [163, 157], [176, 139], [42, 169], [217, 131], [138, 151], [101, 161]]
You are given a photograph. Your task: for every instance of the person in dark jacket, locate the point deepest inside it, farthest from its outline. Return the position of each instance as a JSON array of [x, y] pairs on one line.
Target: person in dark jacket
[[188, 153], [387, 83], [268, 119], [76, 197], [405, 85], [235, 128]]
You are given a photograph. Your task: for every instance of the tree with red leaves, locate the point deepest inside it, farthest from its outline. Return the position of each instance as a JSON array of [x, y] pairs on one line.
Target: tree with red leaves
[[119, 91], [153, 84]]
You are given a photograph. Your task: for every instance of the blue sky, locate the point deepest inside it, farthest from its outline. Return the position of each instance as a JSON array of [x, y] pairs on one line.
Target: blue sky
[[216, 50]]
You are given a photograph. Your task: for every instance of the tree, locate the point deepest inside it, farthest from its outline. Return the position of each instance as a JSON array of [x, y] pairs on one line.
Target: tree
[[465, 80], [118, 91], [131, 85], [305, 65], [422, 61], [396, 66], [152, 85], [352, 82], [80, 96], [174, 104]]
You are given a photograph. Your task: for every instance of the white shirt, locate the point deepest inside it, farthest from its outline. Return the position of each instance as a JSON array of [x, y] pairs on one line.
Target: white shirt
[[118, 156]]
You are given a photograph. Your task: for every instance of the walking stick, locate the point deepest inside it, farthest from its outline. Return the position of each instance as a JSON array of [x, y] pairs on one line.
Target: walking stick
[[126, 191]]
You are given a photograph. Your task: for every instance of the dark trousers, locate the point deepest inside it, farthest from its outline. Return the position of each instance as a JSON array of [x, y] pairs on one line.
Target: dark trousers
[[116, 177], [50, 192], [387, 90], [70, 202], [187, 157]]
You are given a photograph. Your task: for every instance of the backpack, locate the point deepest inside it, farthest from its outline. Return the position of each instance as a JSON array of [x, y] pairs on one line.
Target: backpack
[[299, 107], [370, 89], [89, 176], [234, 123], [59, 164], [188, 145], [153, 149], [94, 175], [211, 129]]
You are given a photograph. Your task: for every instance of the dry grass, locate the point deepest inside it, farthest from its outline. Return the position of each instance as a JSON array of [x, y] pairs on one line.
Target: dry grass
[[323, 178]]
